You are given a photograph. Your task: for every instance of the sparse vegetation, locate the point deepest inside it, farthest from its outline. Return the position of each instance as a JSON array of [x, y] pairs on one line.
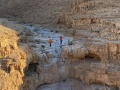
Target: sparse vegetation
[[56, 31], [36, 29], [3, 23], [33, 46], [73, 32], [51, 30], [23, 39], [93, 58], [43, 46], [29, 33], [70, 42]]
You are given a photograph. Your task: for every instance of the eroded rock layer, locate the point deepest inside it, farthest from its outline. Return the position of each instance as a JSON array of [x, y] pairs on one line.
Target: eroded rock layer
[[89, 53], [12, 60]]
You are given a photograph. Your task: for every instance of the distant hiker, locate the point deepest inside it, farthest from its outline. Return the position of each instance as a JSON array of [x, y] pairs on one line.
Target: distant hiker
[[61, 39], [50, 42]]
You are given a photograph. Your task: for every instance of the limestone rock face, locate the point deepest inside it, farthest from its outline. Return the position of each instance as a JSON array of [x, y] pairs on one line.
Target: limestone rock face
[[93, 57], [76, 51], [107, 52], [90, 61], [12, 60]]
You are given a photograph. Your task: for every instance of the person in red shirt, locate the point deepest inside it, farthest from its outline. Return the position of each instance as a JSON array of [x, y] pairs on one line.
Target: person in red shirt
[[61, 39]]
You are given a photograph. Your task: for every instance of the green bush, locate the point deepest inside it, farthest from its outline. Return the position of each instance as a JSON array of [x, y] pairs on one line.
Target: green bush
[[70, 42]]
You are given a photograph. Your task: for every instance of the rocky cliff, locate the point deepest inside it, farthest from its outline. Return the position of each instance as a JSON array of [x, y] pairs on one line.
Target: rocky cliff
[[12, 60], [88, 56]]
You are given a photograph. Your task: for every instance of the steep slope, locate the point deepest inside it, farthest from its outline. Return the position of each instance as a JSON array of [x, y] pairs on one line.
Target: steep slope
[[34, 11], [12, 60], [91, 46]]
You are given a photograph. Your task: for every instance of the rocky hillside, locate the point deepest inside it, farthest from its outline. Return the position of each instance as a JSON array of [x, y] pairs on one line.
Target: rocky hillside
[[97, 16], [33, 10], [12, 60], [89, 56]]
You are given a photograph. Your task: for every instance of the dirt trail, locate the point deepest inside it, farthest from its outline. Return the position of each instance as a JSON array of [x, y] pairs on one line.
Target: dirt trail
[[42, 35]]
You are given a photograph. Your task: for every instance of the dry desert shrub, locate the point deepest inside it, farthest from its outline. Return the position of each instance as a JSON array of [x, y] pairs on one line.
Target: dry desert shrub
[[23, 39]]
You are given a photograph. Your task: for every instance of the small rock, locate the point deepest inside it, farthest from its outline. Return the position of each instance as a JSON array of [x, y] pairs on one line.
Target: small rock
[[50, 55]]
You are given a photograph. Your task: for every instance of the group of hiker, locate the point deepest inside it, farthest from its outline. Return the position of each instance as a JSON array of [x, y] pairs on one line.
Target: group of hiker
[[50, 41]]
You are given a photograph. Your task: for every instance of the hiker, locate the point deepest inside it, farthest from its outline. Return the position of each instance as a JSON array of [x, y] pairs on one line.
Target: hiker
[[50, 42], [61, 39]]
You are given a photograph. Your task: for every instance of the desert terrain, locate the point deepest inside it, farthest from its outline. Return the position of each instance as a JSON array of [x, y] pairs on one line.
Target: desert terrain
[[87, 59]]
